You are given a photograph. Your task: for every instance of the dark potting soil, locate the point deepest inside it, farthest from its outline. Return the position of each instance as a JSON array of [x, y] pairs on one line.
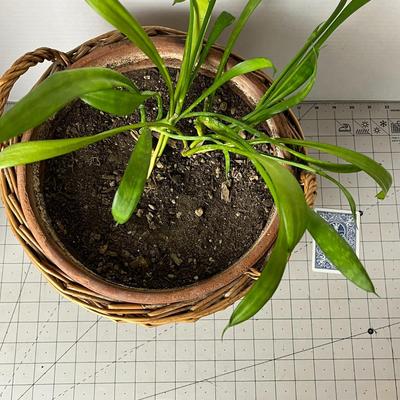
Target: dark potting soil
[[192, 221]]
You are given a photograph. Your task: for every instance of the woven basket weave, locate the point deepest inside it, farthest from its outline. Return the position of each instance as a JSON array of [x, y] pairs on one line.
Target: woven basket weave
[[150, 315]]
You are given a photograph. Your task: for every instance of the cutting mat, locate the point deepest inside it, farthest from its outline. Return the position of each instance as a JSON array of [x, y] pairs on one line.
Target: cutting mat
[[319, 338]]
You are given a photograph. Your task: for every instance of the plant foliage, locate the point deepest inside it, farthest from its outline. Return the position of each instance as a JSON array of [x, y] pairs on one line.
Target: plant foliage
[[113, 93]]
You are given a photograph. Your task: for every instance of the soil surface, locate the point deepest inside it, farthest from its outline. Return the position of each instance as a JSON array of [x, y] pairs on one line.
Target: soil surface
[[192, 221]]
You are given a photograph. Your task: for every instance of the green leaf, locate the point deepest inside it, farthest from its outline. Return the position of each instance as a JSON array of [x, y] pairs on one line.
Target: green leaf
[[56, 92], [239, 69], [118, 16], [288, 197], [184, 72], [264, 114], [201, 9], [290, 66], [223, 21], [296, 73], [321, 28], [329, 166], [348, 195], [315, 162], [265, 111], [376, 171], [133, 182], [263, 138], [266, 285], [200, 15], [340, 15], [305, 71], [237, 29], [116, 102], [38, 150], [338, 251]]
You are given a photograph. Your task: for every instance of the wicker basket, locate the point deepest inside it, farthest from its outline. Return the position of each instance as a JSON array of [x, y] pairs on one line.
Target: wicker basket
[[150, 315]]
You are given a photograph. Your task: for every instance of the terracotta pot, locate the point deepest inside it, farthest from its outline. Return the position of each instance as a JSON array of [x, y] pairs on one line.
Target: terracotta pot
[[125, 57]]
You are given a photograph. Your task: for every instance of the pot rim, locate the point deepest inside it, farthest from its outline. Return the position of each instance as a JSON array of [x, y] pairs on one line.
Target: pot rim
[[120, 54]]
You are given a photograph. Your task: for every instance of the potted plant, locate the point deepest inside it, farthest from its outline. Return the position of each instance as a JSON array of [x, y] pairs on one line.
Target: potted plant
[[202, 124]]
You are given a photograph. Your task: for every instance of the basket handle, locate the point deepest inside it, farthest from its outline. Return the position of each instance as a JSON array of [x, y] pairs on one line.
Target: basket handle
[[24, 63]]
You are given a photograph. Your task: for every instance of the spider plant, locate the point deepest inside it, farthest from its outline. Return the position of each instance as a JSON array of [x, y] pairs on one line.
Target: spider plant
[[111, 92]]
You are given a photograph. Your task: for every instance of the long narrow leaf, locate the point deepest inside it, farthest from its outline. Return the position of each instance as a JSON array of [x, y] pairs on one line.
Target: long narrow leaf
[[239, 69], [326, 165], [375, 170], [184, 71], [265, 112], [262, 138], [54, 93], [345, 191], [288, 197], [341, 17], [290, 66], [116, 102], [203, 10], [39, 150], [338, 251], [329, 166], [266, 285], [223, 21], [118, 16], [294, 74], [237, 29], [133, 182], [200, 15], [304, 72], [319, 36]]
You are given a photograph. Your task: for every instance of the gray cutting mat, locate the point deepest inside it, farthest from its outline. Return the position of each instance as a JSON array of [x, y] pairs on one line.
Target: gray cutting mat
[[310, 342]]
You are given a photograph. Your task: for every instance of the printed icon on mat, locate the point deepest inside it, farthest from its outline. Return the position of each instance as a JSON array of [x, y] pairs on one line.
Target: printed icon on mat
[[395, 127], [364, 128], [344, 128], [383, 123], [379, 127], [345, 225]]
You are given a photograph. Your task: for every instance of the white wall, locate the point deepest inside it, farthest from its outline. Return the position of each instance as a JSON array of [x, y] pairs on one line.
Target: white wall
[[361, 61]]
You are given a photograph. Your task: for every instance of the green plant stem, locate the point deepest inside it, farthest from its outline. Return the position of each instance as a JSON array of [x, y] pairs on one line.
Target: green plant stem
[[158, 98], [246, 153], [162, 143], [157, 153]]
